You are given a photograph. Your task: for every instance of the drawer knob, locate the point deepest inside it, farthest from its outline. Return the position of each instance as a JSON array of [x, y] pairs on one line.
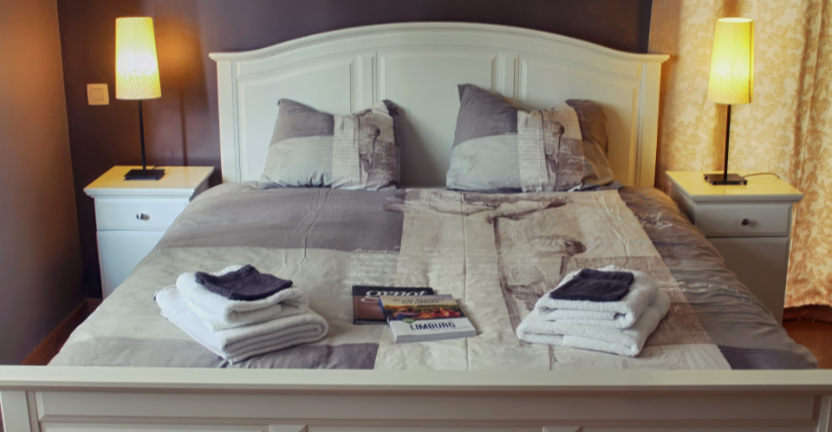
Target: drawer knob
[[745, 222], [142, 216]]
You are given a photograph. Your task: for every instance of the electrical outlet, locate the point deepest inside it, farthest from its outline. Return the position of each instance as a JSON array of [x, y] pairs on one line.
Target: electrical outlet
[[98, 94]]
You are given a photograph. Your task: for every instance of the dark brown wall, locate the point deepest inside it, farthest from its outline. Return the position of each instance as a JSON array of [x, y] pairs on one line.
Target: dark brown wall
[[40, 256], [182, 126]]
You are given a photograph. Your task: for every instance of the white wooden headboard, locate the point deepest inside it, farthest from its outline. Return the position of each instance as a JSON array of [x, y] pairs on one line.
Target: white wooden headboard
[[418, 66]]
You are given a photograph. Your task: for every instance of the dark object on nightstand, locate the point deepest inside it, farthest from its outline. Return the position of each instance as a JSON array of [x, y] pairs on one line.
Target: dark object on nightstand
[[146, 174], [720, 179]]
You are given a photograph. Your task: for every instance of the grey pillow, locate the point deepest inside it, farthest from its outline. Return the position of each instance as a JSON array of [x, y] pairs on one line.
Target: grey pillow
[[500, 148], [310, 148]]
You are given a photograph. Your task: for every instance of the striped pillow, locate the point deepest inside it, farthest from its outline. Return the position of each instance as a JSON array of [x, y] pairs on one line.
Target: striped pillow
[[310, 148], [500, 148]]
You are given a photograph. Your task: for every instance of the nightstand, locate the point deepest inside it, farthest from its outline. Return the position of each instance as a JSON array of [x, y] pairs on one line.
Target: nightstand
[[132, 215], [749, 225]]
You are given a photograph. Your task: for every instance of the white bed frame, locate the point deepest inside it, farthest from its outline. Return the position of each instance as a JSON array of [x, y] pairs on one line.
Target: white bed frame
[[417, 65]]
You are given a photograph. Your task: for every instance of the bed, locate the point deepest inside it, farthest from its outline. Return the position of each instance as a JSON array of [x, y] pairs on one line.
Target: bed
[[493, 251]]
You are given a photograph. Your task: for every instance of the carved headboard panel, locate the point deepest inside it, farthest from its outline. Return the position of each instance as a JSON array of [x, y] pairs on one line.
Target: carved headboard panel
[[418, 66]]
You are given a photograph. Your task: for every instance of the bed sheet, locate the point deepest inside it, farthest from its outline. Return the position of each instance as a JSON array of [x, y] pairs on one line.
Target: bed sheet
[[497, 253]]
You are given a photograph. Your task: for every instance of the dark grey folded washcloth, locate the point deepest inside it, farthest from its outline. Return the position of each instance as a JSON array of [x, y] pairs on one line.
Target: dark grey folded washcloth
[[595, 285], [245, 283]]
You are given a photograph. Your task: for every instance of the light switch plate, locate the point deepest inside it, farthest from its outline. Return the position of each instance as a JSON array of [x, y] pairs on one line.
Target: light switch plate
[[98, 94]]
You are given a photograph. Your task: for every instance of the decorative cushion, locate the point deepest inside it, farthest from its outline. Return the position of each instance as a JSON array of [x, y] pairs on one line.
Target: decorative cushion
[[500, 148], [310, 148]]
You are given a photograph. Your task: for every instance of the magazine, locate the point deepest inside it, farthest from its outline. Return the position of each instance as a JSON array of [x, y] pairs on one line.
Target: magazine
[[424, 318], [365, 307]]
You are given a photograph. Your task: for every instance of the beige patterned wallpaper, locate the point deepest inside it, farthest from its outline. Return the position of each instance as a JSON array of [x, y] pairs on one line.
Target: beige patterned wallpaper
[[787, 129]]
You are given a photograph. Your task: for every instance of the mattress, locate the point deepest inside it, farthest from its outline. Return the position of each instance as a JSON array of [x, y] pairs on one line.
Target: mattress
[[497, 253]]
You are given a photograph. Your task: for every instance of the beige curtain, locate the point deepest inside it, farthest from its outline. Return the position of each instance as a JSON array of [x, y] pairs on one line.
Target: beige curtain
[[787, 129]]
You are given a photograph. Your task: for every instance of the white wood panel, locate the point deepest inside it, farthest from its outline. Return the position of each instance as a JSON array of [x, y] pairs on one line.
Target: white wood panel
[[511, 411], [432, 408], [227, 109], [421, 63], [648, 124], [14, 406], [127, 427], [424, 428], [156, 427], [824, 423], [432, 429], [544, 80], [603, 400], [324, 84], [676, 428], [424, 83]]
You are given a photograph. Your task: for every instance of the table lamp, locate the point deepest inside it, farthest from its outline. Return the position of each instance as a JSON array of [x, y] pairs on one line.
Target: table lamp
[[732, 77], [137, 76]]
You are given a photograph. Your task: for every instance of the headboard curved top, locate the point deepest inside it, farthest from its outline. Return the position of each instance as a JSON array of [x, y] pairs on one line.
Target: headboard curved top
[[418, 66]]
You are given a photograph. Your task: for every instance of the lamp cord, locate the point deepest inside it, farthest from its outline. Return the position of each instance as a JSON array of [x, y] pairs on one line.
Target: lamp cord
[[761, 174]]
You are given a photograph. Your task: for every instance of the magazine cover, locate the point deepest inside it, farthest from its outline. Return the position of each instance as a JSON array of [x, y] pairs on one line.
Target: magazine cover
[[435, 317], [365, 307]]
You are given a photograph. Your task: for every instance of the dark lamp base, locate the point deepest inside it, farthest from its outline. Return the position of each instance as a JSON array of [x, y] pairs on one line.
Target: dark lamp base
[[720, 179], [140, 174]]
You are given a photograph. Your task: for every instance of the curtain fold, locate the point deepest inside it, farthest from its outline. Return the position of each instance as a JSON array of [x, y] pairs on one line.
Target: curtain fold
[[786, 129]]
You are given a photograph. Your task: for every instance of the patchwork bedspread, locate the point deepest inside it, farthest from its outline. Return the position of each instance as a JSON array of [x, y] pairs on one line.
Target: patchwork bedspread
[[497, 253]]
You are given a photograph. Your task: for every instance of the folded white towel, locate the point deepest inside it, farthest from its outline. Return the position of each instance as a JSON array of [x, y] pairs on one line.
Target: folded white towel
[[240, 343], [536, 328], [619, 314], [221, 313]]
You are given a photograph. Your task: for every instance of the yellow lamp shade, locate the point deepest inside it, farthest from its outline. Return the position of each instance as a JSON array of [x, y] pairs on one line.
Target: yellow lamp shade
[[137, 69], [732, 61]]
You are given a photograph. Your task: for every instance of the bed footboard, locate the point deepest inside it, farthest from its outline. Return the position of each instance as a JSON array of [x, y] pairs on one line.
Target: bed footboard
[[143, 399]]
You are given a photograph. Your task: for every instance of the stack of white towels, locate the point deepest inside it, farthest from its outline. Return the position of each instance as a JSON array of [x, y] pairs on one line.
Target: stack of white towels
[[238, 329], [619, 327]]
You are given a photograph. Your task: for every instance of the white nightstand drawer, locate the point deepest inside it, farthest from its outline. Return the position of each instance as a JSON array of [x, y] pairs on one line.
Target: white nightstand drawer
[[137, 213], [743, 220]]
